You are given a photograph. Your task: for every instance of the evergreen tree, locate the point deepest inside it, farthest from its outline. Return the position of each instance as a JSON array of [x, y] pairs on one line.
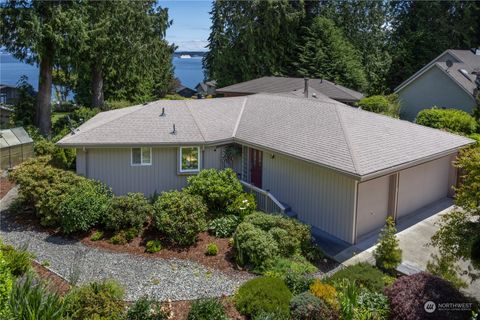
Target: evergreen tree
[[34, 32], [422, 30], [250, 39], [327, 54], [388, 254]]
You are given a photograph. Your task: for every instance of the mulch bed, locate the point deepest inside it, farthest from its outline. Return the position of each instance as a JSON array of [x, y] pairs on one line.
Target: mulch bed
[[54, 282], [5, 186]]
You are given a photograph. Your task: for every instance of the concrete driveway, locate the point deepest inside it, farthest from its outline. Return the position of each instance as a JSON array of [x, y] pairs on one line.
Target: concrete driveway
[[414, 233]]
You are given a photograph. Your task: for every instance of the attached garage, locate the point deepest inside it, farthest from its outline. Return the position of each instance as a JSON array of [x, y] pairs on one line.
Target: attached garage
[[402, 193]]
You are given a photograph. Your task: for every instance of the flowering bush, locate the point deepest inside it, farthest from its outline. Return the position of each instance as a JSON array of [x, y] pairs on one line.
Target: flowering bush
[[243, 205]]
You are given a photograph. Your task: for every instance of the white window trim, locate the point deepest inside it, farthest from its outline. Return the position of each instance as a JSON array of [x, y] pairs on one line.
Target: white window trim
[[180, 160], [141, 157]]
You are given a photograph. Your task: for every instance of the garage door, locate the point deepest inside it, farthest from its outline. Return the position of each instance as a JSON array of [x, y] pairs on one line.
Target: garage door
[[422, 185], [372, 205]]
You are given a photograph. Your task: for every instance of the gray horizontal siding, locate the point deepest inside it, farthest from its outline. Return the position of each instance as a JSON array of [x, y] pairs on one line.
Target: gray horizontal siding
[[320, 197], [112, 167]]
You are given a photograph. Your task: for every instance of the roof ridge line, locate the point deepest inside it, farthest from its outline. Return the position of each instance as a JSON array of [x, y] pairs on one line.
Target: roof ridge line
[[194, 120], [239, 117], [347, 141], [77, 133]]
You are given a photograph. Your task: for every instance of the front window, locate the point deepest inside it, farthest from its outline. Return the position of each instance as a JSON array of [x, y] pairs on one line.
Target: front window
[[141, 156], [189, 159]]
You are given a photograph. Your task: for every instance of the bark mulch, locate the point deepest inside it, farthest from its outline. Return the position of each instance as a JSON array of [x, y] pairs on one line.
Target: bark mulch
[[54, 282], [5, 186]]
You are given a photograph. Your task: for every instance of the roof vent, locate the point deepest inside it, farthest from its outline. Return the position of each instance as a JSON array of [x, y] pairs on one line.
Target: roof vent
[[465, 74], [163, 113], [174, 131], [314, 95]]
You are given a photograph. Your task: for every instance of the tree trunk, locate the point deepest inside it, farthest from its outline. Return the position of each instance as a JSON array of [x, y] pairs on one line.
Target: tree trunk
[[97, 85], [44, 109]]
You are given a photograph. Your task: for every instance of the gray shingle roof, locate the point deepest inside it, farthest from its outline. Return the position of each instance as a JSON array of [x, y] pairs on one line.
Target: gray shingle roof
[[318, 130], [284, 84]]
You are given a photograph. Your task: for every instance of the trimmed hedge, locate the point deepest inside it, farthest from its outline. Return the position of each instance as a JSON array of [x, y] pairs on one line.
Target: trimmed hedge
[[453, 120], [263, 294], [129, 211], [180, 216]]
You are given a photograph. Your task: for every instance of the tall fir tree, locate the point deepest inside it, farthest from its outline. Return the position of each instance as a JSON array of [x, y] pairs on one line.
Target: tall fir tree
[[327, 54]]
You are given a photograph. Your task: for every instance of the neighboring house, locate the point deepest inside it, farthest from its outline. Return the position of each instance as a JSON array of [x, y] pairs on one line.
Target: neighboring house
[[5, 114], [185, 91], [340, 169], [8, 94], [445, 82], [284, 84], [206, 88]]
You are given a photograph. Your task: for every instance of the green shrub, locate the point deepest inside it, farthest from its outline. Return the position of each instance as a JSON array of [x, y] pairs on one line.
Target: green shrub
[[373, 304], [263, 294], [84, 206], [325, 292], [130, 234], [146, 309], [19, 261], [476, 136], [6, 283], [223, 227], [297, 264], [207, 309], [387, 105], [218, 188], [363, 274], [60, 158], [305, 306], [153, 246], [44, 187], [62, 126], [96, 300], [388, 254], [97, 235], [178, 211], [30, 299], [119, 238], [129, 211], [243, 205], [273, 315], [118, 104], [445, 266], [212, 249], [453, 120], [254, 247], [297, 282], [287, 244]]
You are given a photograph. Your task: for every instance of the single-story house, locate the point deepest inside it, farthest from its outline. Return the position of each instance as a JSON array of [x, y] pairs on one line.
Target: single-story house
[[285, 84], [448, 81], [185, 91], [340, 169], [207, 88]]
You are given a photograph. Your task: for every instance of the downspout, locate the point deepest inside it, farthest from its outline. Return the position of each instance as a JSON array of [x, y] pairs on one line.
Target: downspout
[[355, 203]]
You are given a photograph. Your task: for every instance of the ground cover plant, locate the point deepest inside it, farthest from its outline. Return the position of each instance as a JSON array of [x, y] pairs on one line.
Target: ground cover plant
[[207, 309]]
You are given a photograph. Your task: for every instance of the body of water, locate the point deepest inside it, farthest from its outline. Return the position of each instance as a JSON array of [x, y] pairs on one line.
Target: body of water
[[189, 71]]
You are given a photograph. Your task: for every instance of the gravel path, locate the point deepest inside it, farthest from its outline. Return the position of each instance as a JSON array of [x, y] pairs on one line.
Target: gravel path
[[158, 278]]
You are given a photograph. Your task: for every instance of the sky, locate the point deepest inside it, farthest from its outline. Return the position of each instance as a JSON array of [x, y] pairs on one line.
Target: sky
[[191, 23]]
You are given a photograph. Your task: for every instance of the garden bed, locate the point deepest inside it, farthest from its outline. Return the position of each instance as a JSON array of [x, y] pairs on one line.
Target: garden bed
[[55, 282], [180, 309], [5, 186]]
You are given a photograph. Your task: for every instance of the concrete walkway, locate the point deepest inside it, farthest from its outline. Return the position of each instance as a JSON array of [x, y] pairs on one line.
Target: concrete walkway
[[414, 233]]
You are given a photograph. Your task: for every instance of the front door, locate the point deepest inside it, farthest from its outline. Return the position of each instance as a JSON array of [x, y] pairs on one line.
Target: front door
[[256, 167]]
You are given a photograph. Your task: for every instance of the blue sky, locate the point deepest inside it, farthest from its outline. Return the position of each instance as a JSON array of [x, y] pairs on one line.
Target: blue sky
[[191, 23]]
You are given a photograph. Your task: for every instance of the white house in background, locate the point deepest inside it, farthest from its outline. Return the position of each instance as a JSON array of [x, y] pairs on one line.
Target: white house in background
[[447, 81], [340, 169]]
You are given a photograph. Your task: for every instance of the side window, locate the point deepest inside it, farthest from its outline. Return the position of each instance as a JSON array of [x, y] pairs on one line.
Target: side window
[[189, 159], [141, 156]]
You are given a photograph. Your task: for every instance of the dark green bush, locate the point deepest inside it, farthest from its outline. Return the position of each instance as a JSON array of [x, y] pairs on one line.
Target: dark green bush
[[218, 188], [363, 274], [223, 227], [297, 282], [84, 206], [263, 294], [19, 262], [129, 211], [453, 120], [243, 205], [30, 299], [305, 306], [387, 105], [96, 300], [180, 216], [44, 187], [153, 246], [146, 309], [207, 309], [254, 247]]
